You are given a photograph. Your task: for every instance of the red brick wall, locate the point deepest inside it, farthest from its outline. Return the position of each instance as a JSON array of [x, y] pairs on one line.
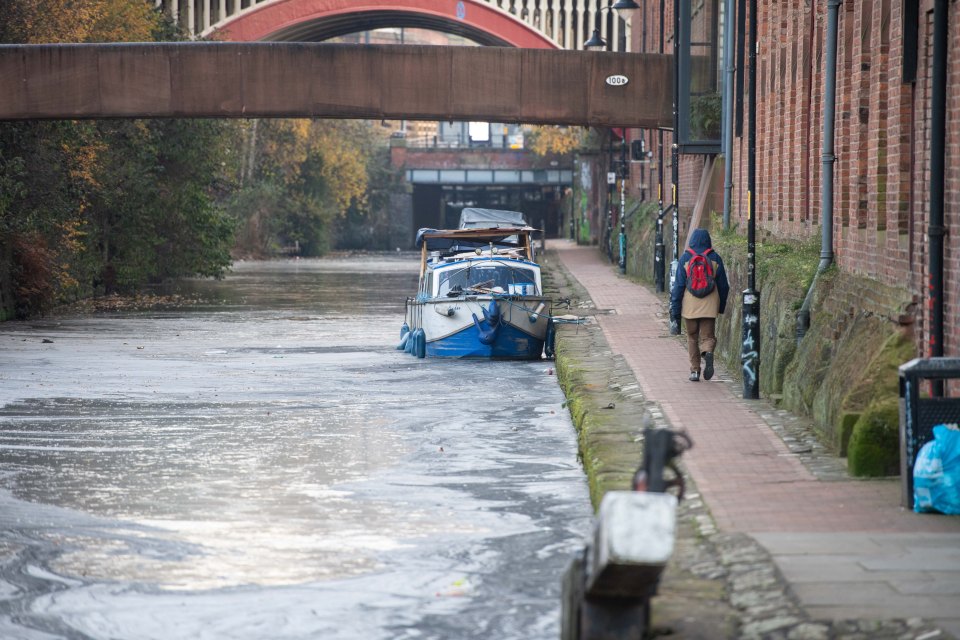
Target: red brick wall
[[882, 146]]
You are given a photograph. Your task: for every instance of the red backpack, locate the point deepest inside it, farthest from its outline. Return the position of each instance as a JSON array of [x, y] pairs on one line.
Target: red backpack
[[700, 277]]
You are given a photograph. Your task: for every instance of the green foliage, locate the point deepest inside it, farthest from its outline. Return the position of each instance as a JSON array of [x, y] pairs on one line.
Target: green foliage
[[705, 115], [309, 183], [874, 444], [373, 224], [778, 258], [100, 205]]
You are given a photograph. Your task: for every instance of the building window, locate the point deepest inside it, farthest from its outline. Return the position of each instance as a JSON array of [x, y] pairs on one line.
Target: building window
[[701, 78]]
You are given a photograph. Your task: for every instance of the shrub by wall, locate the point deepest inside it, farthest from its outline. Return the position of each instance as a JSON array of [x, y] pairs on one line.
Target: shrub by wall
[[875, 441]]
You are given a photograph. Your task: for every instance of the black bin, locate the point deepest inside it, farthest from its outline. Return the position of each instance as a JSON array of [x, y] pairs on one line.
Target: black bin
[[919, 415]]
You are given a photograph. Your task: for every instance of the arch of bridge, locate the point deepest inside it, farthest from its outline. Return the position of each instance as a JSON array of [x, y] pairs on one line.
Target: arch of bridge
[[317, 20]]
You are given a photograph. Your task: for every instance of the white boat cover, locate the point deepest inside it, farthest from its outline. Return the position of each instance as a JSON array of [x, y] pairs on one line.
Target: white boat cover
[[477, 218]]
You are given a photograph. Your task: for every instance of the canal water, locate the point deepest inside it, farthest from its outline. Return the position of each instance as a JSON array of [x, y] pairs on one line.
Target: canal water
[[263, 463]]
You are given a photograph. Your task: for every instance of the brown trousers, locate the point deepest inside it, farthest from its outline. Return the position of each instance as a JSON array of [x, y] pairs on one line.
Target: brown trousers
[[700, 338]]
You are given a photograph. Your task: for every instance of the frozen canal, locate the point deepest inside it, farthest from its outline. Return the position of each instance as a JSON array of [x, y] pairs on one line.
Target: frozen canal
[[267, 465]]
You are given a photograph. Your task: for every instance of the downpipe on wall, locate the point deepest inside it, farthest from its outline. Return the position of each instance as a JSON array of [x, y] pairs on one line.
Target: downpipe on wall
[[827, 161]]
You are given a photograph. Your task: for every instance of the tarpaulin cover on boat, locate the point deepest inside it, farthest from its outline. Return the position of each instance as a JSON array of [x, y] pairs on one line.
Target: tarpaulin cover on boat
[[466, 239], [475, 217]]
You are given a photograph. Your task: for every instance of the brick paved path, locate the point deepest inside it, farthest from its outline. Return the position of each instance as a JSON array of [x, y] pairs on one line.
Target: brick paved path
[[747, 475]]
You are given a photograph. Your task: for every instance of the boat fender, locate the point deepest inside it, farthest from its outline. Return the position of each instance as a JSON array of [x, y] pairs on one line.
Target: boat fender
[[404, 339], [411, 341], [549, 341], [492, 313], [404, 329], [536, 313], [421, 344], [487, 335]]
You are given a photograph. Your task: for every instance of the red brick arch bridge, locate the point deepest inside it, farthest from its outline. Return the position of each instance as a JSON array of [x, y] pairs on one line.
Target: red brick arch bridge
[[528, 24]]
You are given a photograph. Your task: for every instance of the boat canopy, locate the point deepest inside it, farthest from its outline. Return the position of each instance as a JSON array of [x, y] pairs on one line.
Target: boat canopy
[[459, 240], [477, 218]]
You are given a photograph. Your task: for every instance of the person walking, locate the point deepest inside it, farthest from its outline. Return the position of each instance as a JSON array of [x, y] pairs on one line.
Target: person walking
[[699, 294]]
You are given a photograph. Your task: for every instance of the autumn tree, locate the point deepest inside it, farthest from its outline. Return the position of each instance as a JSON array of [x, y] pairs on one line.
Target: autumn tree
[[549, 139], [301, 177], [87, 206]]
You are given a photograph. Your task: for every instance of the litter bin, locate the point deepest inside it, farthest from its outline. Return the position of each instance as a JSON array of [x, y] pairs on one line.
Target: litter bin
[[920, 414]]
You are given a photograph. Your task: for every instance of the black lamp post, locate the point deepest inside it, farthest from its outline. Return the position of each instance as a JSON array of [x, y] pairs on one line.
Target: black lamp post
[[624, 174], [623, 7], [750, 347], [596, 42], [659, 248]]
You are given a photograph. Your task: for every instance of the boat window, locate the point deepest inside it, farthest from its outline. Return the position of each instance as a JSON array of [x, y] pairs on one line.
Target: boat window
[[486, 278]]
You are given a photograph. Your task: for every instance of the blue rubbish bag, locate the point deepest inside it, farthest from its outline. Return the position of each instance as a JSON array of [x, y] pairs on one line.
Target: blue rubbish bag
[[936, 473]]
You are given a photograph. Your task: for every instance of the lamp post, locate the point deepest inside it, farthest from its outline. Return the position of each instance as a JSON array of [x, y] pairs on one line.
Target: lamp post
[[624, 172], [611, 185], [623, 7], [675, 146], [750, 347], [596, 42], [659, 248]]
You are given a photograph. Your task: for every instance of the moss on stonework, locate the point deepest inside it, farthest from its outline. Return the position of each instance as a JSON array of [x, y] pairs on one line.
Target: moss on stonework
[[608, 451], [847, 421], [874, 444]]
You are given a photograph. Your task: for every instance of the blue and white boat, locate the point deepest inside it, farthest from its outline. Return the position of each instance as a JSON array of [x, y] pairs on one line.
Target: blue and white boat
[[480, 296]]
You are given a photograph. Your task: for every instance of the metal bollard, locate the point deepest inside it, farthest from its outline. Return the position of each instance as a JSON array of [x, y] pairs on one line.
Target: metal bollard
[[608, 586]]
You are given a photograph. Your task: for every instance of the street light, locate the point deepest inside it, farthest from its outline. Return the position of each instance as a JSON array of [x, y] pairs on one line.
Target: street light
[[623, 7]]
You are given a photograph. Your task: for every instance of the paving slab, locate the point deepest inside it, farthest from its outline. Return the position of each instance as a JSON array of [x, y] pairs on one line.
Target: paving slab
[[757, 477]]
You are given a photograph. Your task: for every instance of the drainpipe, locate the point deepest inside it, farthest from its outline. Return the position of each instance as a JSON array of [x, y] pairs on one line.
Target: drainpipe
[[728, 111], [938, 132], [827, 160]]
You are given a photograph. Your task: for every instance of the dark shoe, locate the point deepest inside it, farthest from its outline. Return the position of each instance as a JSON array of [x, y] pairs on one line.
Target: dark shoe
[[708, 367], [694, 376]]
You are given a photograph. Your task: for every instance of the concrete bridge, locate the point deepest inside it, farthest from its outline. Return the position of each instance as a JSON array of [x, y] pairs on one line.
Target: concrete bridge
[[243, 80]]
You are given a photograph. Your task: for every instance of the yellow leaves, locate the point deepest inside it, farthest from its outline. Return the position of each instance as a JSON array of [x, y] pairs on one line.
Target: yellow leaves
[[344, 164], [49, 21], [334, 147], [84, 161], [72, 234], [66, 21], [124, 21], [550, 139]]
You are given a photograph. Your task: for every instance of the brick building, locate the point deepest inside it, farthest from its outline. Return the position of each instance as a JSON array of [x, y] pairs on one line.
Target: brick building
[[881, 200]]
